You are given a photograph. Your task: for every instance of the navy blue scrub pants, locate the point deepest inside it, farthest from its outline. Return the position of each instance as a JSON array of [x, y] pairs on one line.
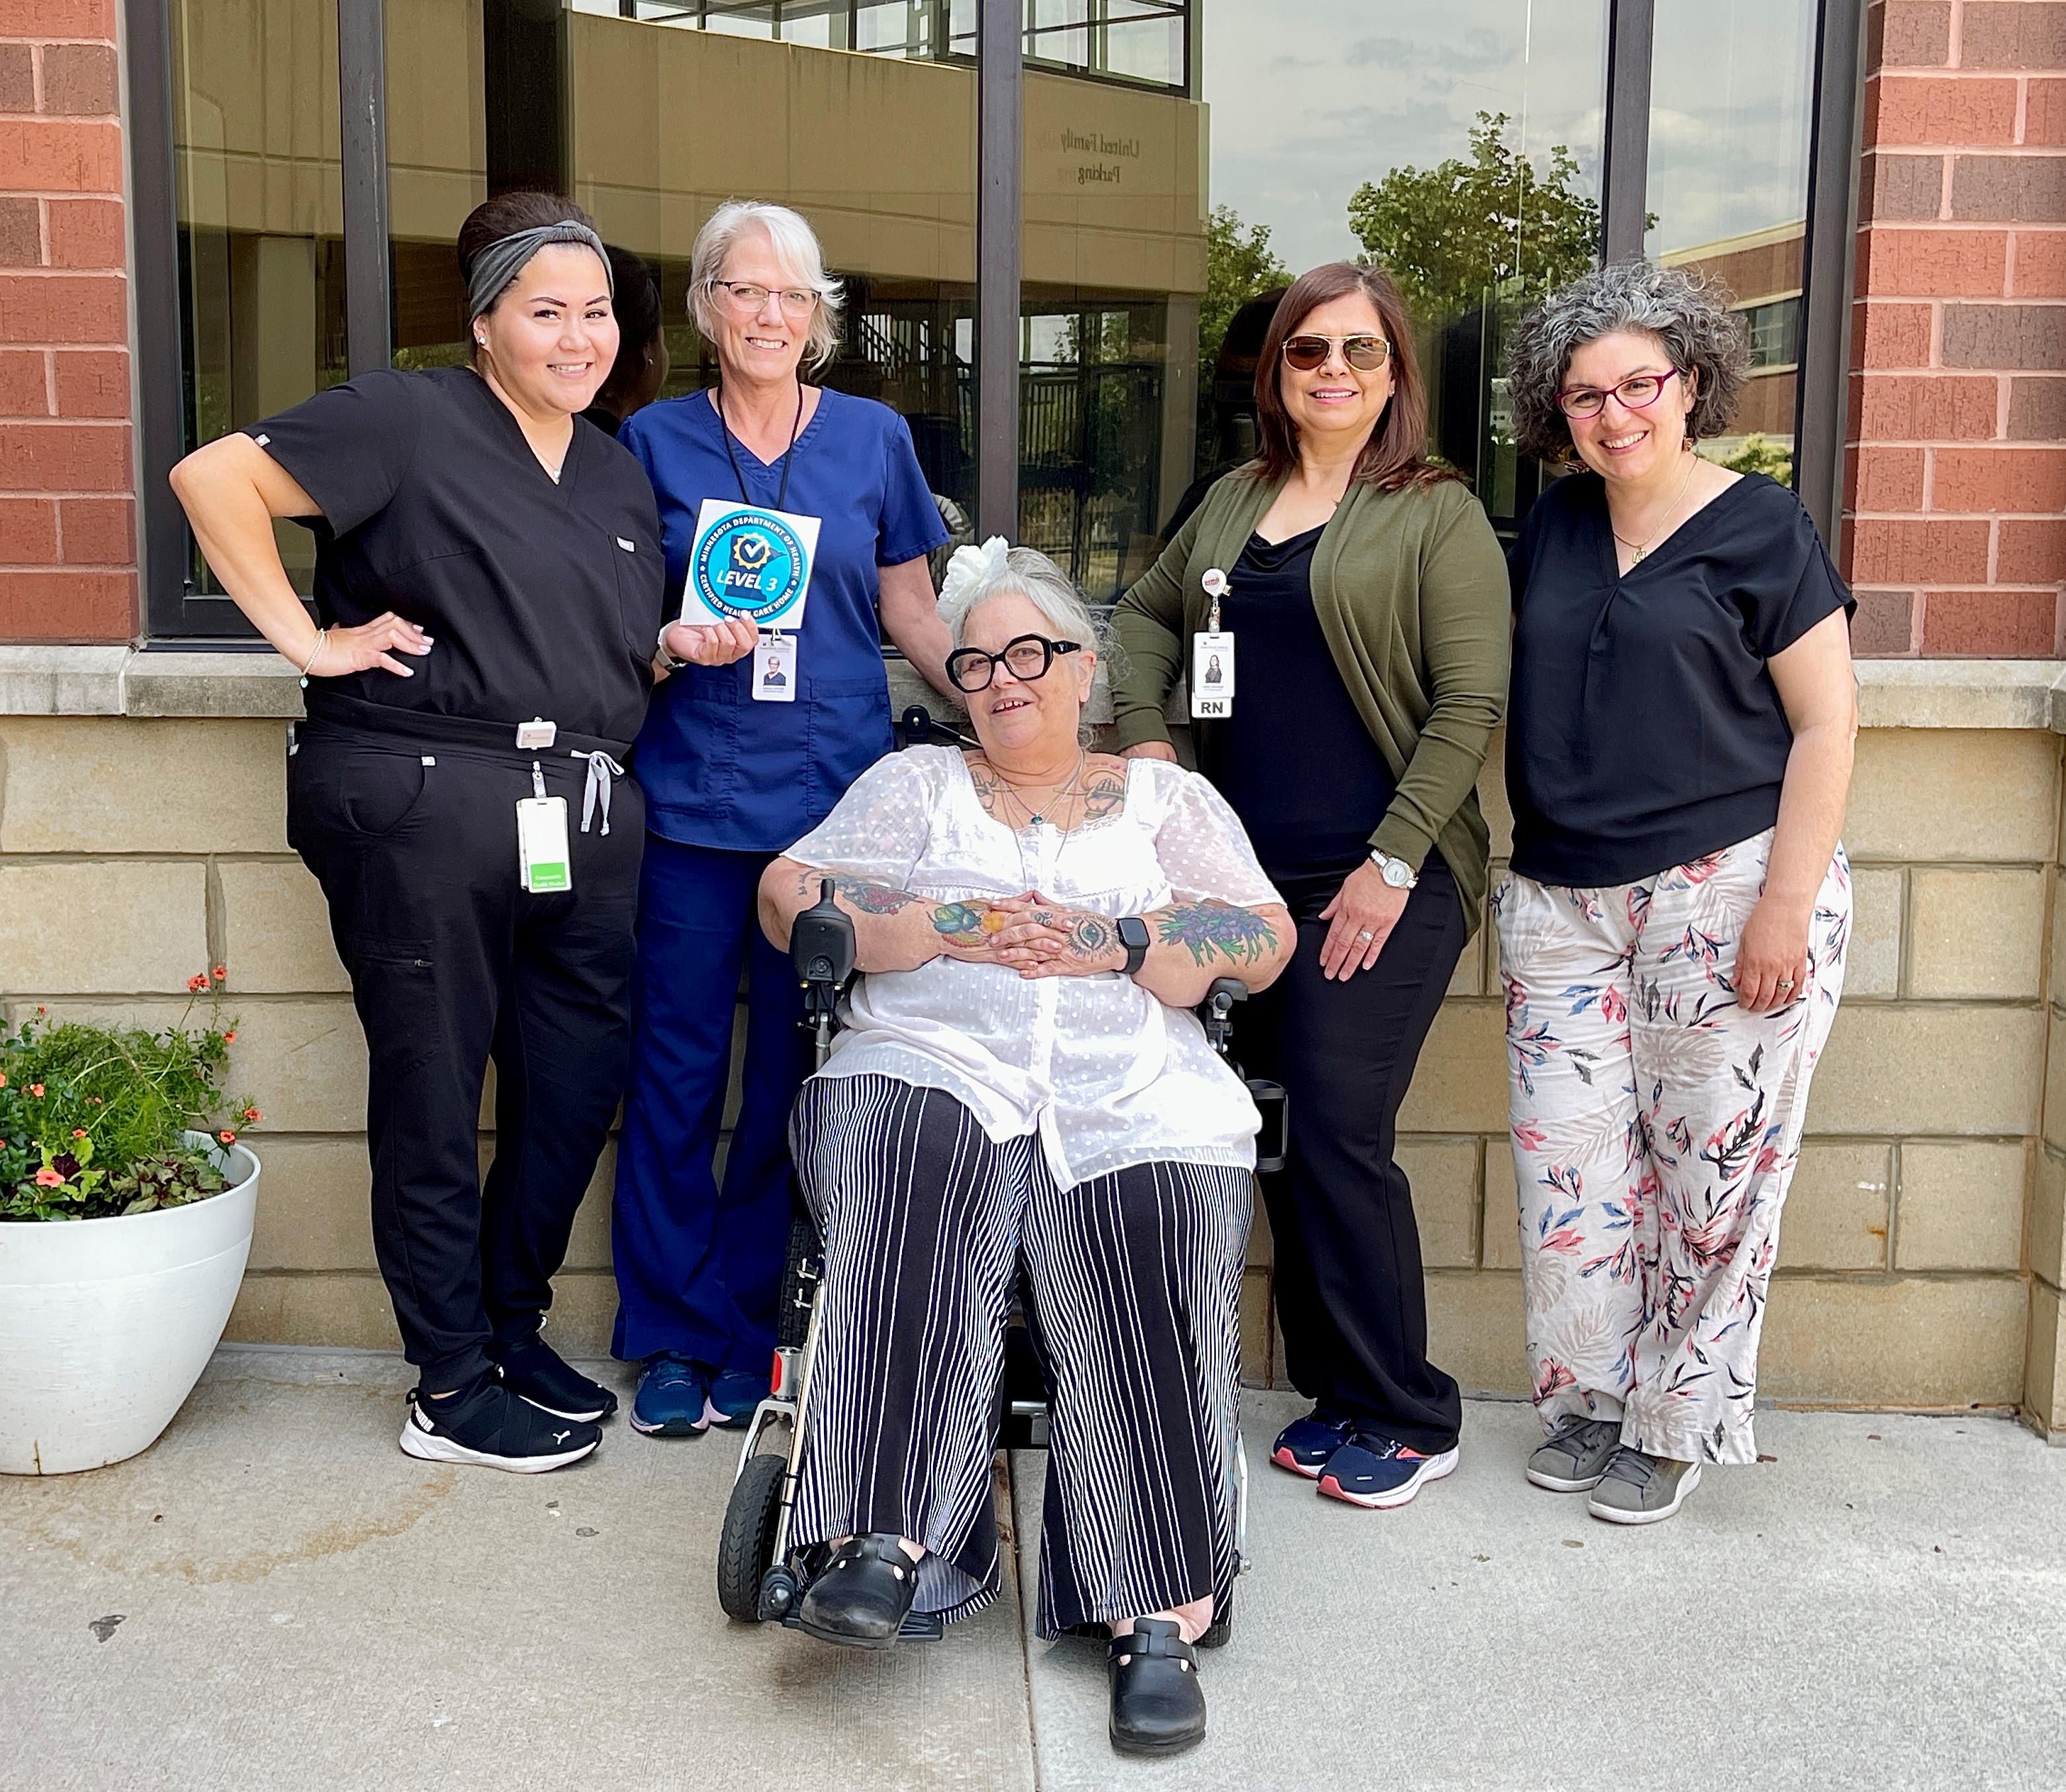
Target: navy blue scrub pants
[[698, 1262]]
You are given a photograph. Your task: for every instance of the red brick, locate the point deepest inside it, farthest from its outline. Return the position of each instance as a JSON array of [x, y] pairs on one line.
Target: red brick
[[60, 156], [1981, 480], [17, 78], [1924, 110], [2031, 551], [69, 308], [28, 532], [1909, 34], [64, 458], [23, 390], [58, 18], [1908, 408], [1903, 550], [87, 233], [2012, 33], [2037, 264], [1884, 626], [79, 80], [57, 607], [93, 383], [21, 234], [1990, 625], [2044, 114], [97, 532], [1886, 480], [1889, 335], [1933, 264]]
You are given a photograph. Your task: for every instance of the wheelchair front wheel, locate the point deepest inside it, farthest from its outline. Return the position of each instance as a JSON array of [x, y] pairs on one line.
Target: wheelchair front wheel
[[746, 1549]]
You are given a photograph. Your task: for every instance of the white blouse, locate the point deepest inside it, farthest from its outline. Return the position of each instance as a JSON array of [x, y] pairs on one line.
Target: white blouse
[[1107, 1074]]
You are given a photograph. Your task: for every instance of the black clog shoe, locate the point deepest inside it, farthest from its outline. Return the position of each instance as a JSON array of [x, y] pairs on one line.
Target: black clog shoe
[[1157, 1705], [864, 1595]]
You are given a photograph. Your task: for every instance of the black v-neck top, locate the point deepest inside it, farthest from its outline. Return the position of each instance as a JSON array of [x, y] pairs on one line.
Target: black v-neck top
[[541, 598], [1644, 730], [1293, 759]]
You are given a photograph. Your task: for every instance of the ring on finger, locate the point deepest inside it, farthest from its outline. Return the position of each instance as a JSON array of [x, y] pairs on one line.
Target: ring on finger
[[1366, 935]]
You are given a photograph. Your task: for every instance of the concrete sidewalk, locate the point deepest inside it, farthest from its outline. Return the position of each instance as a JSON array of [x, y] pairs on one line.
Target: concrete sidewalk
[[302, 1606]]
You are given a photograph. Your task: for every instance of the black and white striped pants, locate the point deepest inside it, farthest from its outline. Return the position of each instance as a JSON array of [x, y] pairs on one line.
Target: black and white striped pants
[[1132, 1284]]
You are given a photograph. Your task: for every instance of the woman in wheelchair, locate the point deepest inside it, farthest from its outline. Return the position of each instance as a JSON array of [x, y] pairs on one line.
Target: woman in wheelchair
[[1022, 1090]]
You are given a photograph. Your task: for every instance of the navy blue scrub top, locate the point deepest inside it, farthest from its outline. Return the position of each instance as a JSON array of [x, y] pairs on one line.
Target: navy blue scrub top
[[1644, 730], [717, 768]]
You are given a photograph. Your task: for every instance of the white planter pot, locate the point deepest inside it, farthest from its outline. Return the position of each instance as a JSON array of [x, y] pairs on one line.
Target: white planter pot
[[106, 1325]]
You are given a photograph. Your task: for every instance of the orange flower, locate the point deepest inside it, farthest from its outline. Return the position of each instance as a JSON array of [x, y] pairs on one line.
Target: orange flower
[[198, 983], [49, 1179], [227, 1137], [36, 1089], [222, 973], [3, 1079], [252, 1117], [79, 1131], [229, 1038]]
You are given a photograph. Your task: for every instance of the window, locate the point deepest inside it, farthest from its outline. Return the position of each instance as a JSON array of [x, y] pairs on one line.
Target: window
[[1775, 332]]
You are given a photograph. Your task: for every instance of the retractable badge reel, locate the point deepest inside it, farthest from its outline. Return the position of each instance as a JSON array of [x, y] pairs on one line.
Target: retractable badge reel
[[543, 863], [1212, 659]]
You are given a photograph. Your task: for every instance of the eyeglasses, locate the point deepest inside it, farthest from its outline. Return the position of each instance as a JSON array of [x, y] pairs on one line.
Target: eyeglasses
[[1637, 392], [1026, 658], [1365, 354], [751, 300]]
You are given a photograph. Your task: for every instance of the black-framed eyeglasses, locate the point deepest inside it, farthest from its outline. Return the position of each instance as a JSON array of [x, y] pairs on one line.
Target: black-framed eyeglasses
[[1026, 658], [1365, 354]]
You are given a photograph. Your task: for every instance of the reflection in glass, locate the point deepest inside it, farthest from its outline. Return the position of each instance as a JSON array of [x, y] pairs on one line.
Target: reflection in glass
[[1728, 188], [260, 212]]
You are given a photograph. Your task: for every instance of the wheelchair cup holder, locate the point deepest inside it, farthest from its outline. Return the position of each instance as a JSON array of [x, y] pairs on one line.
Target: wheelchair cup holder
[[1216, 1014]]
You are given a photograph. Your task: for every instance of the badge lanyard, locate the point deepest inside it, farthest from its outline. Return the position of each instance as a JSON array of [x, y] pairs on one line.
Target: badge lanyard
[[1212, 659], [774, 652]]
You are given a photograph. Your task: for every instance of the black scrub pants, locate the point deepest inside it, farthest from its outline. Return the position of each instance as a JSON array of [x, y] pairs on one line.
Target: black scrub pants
[[1351, 1303], [414, 841]]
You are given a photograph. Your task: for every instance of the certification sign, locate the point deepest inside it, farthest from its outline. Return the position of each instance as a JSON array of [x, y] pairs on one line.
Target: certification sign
[[751, 563]]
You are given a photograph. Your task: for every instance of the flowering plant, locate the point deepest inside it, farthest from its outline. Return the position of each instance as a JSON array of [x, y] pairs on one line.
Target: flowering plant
[[93, 1120]]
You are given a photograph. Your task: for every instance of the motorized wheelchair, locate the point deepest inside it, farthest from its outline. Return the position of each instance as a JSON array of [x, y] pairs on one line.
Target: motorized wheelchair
[[761, 1575]]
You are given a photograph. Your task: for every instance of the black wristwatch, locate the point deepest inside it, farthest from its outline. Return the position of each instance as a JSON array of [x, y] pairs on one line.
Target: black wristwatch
[[1133, 936]]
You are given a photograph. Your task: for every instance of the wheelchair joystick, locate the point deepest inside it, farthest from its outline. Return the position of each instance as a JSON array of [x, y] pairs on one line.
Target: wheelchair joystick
[[821, 948]]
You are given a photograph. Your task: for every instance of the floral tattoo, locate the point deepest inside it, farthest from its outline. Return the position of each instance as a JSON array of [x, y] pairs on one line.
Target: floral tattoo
[[1210, 930]]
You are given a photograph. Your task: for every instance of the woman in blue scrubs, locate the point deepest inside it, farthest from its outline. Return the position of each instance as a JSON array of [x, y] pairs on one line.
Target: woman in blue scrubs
[[742, 754]]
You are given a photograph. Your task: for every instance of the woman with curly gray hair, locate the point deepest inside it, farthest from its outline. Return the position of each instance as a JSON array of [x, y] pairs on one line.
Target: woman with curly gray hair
[[1673, 926]]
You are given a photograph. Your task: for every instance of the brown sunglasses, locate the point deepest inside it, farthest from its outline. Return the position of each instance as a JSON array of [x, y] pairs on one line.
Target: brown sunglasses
[[1365, 354]]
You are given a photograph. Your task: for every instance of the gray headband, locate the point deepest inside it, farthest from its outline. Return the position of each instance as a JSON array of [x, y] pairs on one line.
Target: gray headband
[[506, 258]]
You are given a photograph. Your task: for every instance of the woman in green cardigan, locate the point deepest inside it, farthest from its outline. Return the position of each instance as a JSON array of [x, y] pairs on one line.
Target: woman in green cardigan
[[1367, 602]]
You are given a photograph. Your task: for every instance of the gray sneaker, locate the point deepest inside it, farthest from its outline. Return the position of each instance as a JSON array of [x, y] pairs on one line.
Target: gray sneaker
[[1637, 1489], [1575, 1455]]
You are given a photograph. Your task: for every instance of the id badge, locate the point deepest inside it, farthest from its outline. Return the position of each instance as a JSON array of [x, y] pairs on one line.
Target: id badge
[[1212, 675], [543, 862], [775, 669]]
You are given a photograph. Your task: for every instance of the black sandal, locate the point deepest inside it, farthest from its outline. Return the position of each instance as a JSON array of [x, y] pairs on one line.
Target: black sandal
[[1157, 1705], [864, 1595]]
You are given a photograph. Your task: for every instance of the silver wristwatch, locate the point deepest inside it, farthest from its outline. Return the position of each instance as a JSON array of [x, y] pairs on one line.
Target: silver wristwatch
[[1395, 871]]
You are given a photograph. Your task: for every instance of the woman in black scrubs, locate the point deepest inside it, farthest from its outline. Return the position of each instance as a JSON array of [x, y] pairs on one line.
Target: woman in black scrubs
[[488, 584]]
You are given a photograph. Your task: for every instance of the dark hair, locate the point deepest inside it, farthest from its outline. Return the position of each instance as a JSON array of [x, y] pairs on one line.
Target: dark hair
[[635, 299], [504, 216], [1396, 454]]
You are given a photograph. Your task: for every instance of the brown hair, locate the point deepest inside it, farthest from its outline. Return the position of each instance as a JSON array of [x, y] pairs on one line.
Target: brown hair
[[1396, 454]]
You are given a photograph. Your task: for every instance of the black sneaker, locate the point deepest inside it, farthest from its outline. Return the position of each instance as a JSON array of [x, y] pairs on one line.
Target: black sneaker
[[532, 1368], [486, 1424]]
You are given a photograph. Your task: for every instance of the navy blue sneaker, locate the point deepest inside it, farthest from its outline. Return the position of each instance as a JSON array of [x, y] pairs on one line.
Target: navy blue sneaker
[[1304, 1446], [734, 1394], [1377, 1471], [672, 1392]]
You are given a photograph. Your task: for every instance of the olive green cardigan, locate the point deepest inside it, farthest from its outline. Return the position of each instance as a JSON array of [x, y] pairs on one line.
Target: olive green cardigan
[[1411, 589]]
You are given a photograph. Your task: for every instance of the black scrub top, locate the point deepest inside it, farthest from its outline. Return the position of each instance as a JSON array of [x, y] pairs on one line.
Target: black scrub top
[[1294, 760], [1644, 730], [541, 599]]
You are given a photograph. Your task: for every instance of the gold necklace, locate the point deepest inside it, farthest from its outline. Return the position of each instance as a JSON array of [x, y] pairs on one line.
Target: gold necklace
[[1637, 550]]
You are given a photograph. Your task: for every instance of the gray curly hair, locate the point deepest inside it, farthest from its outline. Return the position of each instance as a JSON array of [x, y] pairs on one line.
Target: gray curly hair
[[1687, 314]]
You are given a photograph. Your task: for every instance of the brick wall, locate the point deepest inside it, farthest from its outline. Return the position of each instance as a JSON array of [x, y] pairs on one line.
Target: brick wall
[[1956, 477], [67, 531]]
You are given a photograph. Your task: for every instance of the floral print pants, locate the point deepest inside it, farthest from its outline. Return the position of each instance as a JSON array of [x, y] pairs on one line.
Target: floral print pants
[[1655, 1128]]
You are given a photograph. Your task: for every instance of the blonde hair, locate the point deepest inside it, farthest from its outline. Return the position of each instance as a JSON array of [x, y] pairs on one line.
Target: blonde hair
[[796, 250]]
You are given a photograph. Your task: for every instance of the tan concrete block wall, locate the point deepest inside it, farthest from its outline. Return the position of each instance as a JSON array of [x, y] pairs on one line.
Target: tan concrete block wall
[[1924, 1250]]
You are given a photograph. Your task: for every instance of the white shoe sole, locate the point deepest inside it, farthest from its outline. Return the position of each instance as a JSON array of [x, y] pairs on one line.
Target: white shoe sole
[[1434, 1468], [430, 1446], [1611, 1514], [1537, 1478]]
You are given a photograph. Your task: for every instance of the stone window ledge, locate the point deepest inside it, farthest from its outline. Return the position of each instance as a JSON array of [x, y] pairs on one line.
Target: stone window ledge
[[122, 681]]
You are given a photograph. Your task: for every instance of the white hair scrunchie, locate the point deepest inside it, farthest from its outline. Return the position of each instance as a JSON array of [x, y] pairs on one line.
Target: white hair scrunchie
[[970, 572]]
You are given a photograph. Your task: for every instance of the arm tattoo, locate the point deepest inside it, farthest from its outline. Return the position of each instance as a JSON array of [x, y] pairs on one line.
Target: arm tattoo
[[870, 898], [962, 922], [1207, 929], [1090, 936]]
